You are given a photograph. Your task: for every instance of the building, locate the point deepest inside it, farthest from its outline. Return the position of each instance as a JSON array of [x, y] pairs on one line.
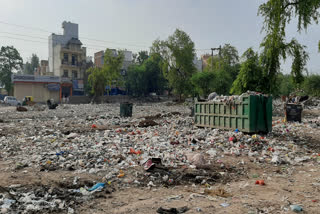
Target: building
[[67, 60], [41, 88], [99, 59], [43, 69], [198, 64]]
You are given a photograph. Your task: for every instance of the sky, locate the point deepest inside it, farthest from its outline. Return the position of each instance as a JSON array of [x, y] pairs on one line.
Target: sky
[[135, 24]]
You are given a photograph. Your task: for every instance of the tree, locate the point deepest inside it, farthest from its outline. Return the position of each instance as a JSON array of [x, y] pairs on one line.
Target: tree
[[146, 78], [31, 66], [250, 75], [112, 67], [227, 59], [311, 85], [277, 14], [299, 62], [203, 82], [177, 53], [97, 81], [10, 61], [142, 57]]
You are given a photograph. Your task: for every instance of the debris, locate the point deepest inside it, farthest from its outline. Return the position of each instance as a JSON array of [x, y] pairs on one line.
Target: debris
[[217, 192], [296, 208], [21, 109], [97, 186], [147, 123], [225, 205], [260, 182], [172, 210]]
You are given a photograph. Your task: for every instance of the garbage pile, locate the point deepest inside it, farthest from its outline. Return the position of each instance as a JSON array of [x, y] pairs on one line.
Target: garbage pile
[[123, 152]]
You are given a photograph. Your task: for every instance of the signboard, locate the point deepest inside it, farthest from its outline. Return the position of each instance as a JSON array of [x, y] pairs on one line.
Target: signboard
[[53, 87], [32, 78]]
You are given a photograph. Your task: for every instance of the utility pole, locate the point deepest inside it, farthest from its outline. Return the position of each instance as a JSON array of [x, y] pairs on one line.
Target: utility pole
[[215, 49]]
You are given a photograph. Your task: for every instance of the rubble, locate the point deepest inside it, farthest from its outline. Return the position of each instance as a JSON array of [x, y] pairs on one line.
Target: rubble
[[130, 152]]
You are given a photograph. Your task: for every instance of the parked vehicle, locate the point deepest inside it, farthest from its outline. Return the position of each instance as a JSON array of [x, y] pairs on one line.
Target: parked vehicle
[[11, 101], [28, 100]]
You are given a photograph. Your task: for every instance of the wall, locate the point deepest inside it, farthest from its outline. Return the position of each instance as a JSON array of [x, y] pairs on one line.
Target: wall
[[104, 99], [39, 91]]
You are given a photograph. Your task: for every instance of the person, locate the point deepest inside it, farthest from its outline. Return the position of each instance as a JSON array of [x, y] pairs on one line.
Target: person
[[63, 99], [67, 100]]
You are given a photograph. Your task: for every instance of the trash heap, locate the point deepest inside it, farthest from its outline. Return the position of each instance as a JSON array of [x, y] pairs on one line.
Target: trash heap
[[158, 146]]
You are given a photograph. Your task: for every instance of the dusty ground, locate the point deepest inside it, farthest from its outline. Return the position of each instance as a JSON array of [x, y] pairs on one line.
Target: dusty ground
[[285, 184]]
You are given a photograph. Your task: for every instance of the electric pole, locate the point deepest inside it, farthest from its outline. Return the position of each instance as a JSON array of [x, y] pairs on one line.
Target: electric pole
[[215, 49]]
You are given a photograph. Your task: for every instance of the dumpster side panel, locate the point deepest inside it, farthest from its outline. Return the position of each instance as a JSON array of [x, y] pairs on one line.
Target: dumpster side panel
[[248, 114]]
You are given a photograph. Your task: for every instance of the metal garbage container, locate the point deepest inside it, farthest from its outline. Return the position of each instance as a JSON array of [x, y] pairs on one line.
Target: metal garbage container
[[293, 112], [126, 109]]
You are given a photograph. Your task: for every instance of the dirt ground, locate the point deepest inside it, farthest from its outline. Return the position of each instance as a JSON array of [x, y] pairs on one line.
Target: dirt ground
[[285, 184]]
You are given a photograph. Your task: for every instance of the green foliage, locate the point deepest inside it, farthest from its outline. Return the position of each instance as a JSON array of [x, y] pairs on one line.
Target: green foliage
[[299, 62], [146, 78], [203, 82], [31, 66], [284, 85], [142, 57], [223, 82], [277, 14], [311, 85], [250, 75], [97, 81], [177, 54], [112, 67], [10, 61]]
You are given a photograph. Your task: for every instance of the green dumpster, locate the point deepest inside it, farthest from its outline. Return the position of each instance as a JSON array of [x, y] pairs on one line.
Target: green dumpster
[[126, 109], [249, 113]]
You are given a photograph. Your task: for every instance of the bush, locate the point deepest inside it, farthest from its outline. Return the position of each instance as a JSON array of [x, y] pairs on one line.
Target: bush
[[311, 85]]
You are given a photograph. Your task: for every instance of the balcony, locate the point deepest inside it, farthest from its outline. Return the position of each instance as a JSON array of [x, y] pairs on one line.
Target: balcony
[[71, 64]]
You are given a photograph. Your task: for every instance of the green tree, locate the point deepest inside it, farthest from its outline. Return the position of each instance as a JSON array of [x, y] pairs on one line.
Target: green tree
[[31, 66], [311, 85], [250, 75], [136, 80], [10, 62], [97, 81], [142, 57], [277, 14], [177, 53], [113, 62], [203, 82], [299, 62], [146, 78], [227, 59], [285, 85]]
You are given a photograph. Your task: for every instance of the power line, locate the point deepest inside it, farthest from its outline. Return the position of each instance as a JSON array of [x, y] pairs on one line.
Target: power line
[[85, 38], [98, 40]]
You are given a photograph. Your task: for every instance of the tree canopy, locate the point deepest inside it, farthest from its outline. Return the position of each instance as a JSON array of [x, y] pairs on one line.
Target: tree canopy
[[10, 61], [31, 66], [177, 54], [250, 75], [277, 15]]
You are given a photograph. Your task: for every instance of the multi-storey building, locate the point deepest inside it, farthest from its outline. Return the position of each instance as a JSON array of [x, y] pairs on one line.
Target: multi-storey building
[[67, 59]]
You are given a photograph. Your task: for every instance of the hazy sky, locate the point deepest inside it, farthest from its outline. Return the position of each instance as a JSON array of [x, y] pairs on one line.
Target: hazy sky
[[134, 24]]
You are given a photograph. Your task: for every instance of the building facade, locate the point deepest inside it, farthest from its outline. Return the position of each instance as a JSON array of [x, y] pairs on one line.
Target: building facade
[[41, 88], [67, 60], [43, 69]]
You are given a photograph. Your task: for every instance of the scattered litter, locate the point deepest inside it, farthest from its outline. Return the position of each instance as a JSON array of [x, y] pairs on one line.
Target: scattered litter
[[172, 210]]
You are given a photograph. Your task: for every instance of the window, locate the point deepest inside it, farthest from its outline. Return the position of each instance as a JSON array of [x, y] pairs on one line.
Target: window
[[74, 75], [65, 73], [65, 57], [74, 59]]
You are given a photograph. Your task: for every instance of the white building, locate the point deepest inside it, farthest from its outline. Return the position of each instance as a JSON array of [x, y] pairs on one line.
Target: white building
[[67, 59]]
